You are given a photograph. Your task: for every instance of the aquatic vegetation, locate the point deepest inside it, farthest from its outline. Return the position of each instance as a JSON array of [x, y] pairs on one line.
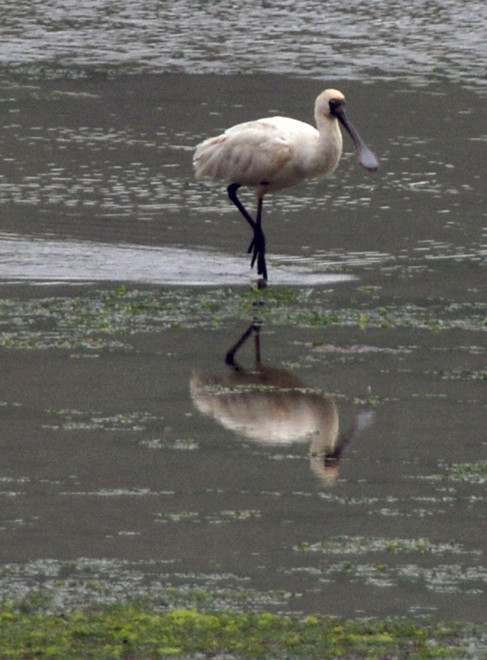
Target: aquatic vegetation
[[105, 319], [216, 518], [473, 473], [77, 420], [138, 632], [186, 444], [362, 544], [455, 569]]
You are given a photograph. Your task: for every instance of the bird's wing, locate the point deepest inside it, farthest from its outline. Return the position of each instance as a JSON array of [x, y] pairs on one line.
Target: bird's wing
[[248, 154]]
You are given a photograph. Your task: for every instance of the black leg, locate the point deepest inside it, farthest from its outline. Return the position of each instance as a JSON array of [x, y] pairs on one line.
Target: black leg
[[257, 246], [232, 193], [259, 243]]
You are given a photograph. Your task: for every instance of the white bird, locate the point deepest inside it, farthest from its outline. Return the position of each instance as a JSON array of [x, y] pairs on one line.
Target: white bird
[[277, 152]]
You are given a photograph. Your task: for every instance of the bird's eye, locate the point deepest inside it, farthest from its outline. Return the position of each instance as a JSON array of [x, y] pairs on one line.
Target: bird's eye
[[335, 105]]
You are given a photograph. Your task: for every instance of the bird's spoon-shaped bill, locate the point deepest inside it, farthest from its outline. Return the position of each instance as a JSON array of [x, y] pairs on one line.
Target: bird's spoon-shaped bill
[[366, 157]]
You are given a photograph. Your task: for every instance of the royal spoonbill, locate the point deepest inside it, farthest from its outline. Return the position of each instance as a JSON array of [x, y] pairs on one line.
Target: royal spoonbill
[[277, 152]]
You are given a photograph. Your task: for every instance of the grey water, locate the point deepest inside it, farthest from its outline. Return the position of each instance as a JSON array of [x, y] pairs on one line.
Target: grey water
[[338, 464]]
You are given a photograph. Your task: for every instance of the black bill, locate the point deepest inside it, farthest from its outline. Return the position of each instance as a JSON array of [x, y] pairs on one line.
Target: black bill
[[366, 157]]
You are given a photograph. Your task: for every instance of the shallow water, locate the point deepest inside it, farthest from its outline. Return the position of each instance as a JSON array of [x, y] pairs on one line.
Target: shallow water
[[134, 462]]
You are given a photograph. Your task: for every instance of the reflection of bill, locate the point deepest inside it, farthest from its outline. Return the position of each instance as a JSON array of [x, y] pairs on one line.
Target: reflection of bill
[[272, 406]]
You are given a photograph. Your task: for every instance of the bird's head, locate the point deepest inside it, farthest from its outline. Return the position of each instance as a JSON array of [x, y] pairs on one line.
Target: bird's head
[[331, 104]]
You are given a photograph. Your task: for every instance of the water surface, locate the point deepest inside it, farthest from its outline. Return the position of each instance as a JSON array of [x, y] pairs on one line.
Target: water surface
[[129, 467]]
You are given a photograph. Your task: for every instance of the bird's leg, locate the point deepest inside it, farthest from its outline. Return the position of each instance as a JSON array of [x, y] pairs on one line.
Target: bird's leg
[[232, 193], [258, 242]]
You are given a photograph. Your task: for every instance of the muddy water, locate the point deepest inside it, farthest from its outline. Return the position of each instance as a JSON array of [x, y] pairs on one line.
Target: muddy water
[[337, 464]]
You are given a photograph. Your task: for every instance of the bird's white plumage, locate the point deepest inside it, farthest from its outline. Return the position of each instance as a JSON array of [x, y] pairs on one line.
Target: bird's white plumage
[[275, 152]]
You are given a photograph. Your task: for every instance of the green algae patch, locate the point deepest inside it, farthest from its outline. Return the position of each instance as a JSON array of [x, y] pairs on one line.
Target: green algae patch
[[96, 319], [136, 632], [474, 473]]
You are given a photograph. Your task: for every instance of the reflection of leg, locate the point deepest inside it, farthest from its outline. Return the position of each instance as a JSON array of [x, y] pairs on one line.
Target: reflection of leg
[[257, 345], [230, 356]]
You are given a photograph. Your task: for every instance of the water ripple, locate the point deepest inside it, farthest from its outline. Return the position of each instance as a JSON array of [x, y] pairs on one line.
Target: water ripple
[[373, 40]]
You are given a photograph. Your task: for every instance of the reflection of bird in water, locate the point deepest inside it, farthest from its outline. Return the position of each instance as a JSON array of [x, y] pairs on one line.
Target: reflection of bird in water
[[273, 406], [275, 153]]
